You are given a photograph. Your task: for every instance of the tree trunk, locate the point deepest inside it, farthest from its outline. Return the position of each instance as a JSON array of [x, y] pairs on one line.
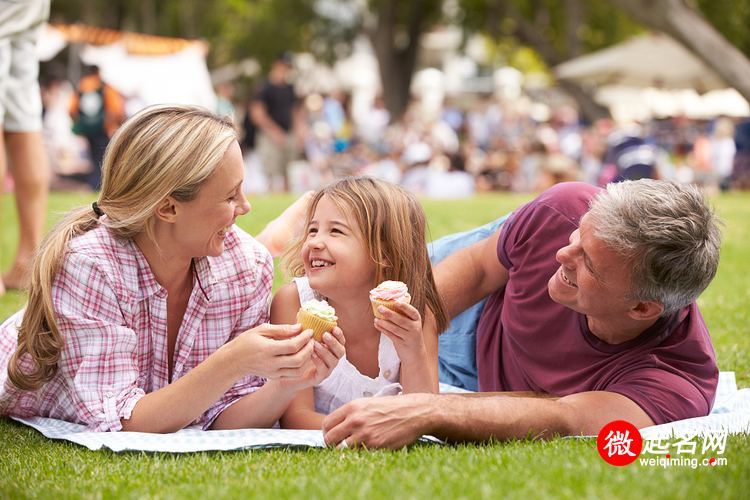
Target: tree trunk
[[396, 58], [689, 27]]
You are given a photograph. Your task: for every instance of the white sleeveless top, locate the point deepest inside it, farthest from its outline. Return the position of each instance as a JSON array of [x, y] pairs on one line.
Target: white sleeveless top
[[345, 382]]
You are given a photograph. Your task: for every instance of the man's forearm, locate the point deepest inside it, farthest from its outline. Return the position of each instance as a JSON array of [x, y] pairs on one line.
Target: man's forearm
[[460, 418]]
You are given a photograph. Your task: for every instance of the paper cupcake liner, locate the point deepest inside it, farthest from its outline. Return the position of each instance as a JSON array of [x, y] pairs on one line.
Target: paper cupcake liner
[[318, 325], [390, 304]]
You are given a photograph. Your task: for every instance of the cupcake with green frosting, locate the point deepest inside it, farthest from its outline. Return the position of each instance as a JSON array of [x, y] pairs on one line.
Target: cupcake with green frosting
[[318, 316]]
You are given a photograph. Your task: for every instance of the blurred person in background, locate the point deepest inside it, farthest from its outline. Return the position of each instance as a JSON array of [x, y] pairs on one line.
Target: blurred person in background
[[723, 149], [98, 111], [276, 115]]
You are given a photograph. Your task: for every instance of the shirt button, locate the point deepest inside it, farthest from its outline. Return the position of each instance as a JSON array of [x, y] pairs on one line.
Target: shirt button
[[109, 394], [387, 373], [367, 394]]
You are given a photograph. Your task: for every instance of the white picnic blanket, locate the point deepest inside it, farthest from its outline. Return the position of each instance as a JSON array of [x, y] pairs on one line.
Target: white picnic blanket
[[731, 413]]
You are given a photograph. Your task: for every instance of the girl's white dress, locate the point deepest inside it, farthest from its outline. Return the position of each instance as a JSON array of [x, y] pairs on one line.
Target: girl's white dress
[[345, 382]]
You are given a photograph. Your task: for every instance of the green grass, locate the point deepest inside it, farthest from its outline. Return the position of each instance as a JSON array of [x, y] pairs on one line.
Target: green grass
[[31, 466]]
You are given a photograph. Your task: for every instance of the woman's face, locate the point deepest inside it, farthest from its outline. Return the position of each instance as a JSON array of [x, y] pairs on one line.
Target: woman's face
[[204, 222]]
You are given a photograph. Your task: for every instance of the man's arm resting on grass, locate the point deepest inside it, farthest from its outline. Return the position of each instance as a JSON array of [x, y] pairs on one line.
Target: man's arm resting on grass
[[470, 275], [397, 421]]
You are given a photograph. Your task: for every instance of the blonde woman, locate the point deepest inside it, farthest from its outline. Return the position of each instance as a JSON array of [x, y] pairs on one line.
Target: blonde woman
[[148, 309]]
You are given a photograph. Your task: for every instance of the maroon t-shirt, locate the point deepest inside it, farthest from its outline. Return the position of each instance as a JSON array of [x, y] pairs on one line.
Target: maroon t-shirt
[[528, 342]]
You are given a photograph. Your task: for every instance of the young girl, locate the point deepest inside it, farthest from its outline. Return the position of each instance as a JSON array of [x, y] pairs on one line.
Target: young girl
[[360, 232]]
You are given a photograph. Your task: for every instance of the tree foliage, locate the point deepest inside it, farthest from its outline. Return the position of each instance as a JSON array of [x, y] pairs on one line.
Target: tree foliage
[[557, 30]]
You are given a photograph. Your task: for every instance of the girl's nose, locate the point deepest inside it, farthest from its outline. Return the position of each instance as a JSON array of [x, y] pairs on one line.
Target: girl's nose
[[315, 241]]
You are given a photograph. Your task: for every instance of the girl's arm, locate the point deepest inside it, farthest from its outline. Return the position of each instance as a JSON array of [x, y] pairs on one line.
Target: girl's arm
[[416, 346], [300, 413]]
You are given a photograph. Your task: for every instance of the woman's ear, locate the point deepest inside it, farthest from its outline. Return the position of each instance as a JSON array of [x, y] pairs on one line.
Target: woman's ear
[[168, 209]]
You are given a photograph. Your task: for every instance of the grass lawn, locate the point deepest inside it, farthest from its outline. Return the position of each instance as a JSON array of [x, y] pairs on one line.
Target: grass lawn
[[31, 466]]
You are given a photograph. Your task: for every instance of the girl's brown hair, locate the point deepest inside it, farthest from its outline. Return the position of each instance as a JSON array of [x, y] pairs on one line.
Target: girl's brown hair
[[394, 228]]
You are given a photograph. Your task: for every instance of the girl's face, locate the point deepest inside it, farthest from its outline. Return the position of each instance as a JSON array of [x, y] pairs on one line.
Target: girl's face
[[208, 218], [334, 255]]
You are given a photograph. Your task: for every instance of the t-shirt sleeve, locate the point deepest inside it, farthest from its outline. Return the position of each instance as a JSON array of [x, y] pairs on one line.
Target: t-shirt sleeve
[[545, 222], [664, 396], [100, 353]]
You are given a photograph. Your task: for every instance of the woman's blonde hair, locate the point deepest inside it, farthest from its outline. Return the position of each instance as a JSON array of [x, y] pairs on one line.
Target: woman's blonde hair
[[393, 226], [164, 150]]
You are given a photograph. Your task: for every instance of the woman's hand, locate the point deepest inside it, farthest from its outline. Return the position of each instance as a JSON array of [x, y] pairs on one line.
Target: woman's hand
[[276, 352], [405, 330], [324, 359]]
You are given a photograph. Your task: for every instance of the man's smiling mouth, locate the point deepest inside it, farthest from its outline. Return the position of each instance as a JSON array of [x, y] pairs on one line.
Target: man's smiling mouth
[[567, 280]]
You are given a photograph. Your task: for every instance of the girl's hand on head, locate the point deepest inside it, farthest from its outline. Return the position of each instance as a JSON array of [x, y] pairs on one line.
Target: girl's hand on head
[[405, 330], [324, 359], [276, 352]]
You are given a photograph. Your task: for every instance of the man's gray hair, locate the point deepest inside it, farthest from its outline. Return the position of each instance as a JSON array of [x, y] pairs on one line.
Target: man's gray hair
[[668, 230]]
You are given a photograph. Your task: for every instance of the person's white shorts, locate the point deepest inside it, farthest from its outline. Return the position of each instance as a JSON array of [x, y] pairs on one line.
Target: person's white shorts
[[20, 100]]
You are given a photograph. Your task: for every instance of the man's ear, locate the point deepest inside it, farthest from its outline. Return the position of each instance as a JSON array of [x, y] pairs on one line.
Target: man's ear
[[648, 310], [168, 209]]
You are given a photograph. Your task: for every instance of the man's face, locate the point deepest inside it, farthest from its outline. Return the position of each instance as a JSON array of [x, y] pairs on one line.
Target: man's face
[[592, 279]]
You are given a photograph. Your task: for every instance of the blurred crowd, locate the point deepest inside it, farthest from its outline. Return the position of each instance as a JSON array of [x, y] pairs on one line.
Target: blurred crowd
[[472, 144], [488, 145]]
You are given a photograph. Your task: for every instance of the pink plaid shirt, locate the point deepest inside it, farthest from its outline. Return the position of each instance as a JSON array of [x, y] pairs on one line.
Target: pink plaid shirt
[[113, 316]]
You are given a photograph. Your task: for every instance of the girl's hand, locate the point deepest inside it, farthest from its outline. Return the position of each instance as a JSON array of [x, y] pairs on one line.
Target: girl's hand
[[405, 330], [276, 352], [324, 359]]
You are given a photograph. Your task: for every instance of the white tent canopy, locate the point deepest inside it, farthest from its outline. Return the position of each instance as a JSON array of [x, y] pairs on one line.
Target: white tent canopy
[[144, 68], [653, 76], [653, 60]]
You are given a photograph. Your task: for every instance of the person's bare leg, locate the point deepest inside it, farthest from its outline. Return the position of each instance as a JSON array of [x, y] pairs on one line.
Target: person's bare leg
[[281, 231], [29, 166]]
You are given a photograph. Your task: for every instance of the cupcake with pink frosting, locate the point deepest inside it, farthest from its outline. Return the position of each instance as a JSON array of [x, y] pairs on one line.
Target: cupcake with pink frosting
[[387, 294]]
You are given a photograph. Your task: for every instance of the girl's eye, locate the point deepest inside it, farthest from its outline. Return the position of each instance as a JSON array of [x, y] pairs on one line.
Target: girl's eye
[[336, 231], [312, 230]]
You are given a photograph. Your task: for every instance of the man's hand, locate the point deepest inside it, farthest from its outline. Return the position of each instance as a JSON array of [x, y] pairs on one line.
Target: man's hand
[[387, 422]]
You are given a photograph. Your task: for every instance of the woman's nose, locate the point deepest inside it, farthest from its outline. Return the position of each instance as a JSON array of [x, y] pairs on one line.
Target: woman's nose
[[244, 205]]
